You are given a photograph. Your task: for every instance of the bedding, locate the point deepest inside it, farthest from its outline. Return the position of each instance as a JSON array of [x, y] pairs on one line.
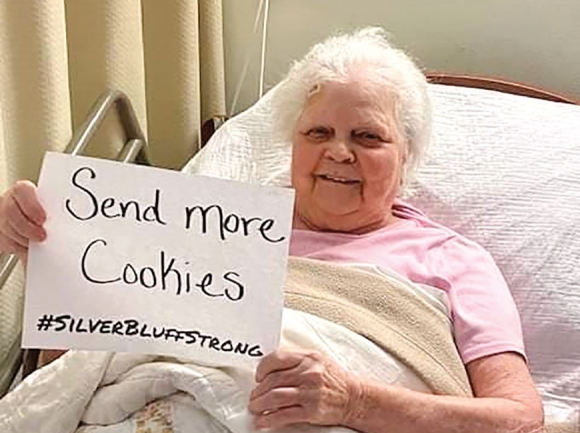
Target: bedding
[[122, 393], [394, 331]]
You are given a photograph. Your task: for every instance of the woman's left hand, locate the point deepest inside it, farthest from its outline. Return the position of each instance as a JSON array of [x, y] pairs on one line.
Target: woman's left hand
[[302, 387]]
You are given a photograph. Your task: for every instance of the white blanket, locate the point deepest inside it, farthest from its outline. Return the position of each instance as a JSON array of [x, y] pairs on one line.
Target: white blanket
[[127, 393]]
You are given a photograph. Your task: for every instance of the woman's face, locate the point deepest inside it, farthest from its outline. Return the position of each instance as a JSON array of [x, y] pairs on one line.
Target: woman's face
[[347, 159]]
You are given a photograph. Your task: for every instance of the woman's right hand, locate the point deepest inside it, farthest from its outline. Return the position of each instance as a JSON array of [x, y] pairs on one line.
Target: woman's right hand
[[21, 219]]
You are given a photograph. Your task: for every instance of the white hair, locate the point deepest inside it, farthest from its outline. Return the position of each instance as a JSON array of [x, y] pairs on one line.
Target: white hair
[[344, 59]]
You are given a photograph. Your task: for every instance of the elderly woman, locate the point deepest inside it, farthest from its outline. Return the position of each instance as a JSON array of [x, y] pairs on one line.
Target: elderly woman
[[357, 113]]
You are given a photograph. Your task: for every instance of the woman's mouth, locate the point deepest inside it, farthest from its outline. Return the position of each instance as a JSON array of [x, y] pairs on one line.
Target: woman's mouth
[[338, 179]]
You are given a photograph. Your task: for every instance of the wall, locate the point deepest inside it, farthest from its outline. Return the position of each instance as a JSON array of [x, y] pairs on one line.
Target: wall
[[531, 41]]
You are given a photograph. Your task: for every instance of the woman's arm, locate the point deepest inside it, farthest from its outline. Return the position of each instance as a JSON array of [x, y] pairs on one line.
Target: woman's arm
[[304, 387], [506, 401]]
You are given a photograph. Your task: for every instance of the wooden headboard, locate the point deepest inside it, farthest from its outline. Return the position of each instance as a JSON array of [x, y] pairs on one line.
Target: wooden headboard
[[497, 84]]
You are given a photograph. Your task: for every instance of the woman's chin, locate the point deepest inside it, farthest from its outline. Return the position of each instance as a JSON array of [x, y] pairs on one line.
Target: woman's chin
[[333, 218], [336, 208]]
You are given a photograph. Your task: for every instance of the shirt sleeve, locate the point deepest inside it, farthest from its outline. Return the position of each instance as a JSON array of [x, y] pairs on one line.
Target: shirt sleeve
[[485, 318]]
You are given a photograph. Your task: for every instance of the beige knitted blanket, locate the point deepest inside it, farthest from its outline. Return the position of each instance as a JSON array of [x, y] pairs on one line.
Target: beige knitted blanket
[[389, 311]]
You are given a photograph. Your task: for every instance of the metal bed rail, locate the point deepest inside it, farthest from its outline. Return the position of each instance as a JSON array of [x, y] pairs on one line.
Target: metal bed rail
[[135, 150]]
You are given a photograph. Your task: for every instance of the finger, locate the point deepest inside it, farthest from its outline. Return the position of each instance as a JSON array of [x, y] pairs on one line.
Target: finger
[[23, 256], [277, 361], [25, 194], [277, 379], [281, 418], [9, 246], [21, 224], [274, 400], [14, 236]]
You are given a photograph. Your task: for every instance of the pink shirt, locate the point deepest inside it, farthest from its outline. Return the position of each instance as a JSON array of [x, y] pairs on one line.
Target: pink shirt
[[484, 315]]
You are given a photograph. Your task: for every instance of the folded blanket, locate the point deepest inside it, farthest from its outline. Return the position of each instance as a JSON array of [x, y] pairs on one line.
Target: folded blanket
[[386, 309]]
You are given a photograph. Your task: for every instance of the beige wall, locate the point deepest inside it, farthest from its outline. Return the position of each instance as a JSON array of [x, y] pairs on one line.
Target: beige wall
[[532, 41]]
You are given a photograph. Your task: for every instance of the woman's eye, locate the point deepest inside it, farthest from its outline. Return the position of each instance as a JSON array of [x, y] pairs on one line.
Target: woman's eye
[[318, 133], [369, 137]]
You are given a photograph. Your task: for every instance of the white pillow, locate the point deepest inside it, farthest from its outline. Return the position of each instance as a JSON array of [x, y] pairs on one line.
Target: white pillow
[[502, 170], [243, 149]]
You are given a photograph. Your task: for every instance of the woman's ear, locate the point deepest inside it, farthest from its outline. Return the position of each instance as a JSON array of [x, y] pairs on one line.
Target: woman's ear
[[402, 171], [404, 153], [404, 156]]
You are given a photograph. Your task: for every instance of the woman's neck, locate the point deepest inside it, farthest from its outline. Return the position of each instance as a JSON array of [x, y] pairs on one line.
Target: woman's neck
[[343, 225]]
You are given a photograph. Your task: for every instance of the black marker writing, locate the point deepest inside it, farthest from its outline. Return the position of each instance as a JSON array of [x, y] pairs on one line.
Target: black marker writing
[[231, 223], [135, 328], [110, 207], [164, 275], [84, 270]]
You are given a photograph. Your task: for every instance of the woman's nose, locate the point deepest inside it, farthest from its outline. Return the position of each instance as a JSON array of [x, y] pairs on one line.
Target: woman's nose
[[340, 152]]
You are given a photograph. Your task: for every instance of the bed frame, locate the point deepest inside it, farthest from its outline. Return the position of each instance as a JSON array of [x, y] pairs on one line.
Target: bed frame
[[497, 84], [30, 358]]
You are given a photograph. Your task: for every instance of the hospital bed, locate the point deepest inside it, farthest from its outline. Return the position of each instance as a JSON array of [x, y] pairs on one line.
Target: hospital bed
[[502, 169]]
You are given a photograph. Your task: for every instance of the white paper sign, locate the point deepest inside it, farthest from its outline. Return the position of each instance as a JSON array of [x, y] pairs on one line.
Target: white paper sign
[[146, 260]]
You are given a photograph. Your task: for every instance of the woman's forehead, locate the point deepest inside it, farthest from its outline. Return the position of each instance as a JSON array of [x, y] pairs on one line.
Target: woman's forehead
[[355, 100]]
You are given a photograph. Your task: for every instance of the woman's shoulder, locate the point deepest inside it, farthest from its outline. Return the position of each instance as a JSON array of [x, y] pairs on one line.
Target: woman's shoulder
[[445, 241]]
